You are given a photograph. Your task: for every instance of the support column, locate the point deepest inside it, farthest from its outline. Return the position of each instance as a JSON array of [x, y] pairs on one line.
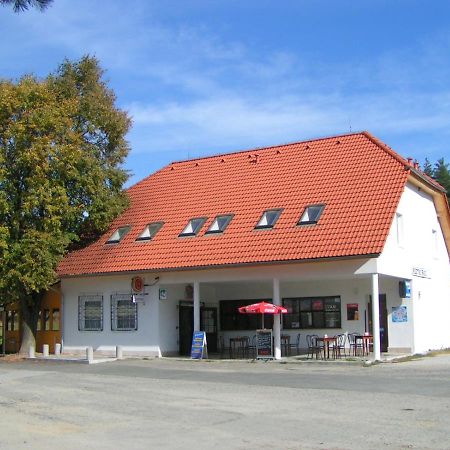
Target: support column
[[376, 318], [196, 306], [276, 319]]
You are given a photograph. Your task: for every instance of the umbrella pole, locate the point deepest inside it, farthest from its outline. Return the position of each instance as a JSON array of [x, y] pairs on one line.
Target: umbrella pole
[[263, 321]]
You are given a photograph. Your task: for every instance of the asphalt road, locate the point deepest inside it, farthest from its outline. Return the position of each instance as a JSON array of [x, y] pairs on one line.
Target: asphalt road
[[183, 404]]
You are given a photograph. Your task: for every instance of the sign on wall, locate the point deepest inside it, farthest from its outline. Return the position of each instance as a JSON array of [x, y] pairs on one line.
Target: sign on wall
[[162, 294], [399, 314], [352, 311]]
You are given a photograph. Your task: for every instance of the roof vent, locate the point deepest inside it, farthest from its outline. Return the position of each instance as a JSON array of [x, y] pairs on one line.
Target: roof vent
[[410, 161], [278, 152], [307, 147], [338, 141], [222, 160], [196, 164]]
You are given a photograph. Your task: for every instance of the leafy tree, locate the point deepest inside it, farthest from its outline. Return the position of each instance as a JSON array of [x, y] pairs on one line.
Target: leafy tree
[[62, 144], [441, 174], [23, 5], [428, 168]]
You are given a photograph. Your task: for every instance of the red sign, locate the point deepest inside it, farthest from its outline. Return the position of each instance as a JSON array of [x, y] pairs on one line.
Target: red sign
[[137, 284]]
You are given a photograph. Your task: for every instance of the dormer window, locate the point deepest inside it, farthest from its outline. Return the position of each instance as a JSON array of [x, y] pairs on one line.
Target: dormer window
[[311, 214], [118, 235], [219, 224], [269, 218], [149, 231], [193, 227]]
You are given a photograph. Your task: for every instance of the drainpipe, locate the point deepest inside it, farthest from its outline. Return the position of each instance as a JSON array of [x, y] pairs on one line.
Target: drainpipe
[[196, 306], [376, 318], [276, 319]]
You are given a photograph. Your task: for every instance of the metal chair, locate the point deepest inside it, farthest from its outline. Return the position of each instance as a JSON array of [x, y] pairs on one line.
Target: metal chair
[[296, 345], [315, 347], [339, 346]]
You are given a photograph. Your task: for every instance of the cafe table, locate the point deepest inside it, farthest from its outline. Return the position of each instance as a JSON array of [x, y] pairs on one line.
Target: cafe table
[[327, 340], [364, 341]]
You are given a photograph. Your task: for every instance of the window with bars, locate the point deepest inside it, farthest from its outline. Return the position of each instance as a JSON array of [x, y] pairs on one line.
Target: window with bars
[[90, 312], [123, 313]]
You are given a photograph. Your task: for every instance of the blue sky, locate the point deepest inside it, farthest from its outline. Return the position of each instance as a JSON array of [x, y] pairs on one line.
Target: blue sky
[[200, 77]]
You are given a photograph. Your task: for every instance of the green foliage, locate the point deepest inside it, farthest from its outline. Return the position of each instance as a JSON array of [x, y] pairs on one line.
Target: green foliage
[[62, 143], [440, 172], [23, 5]]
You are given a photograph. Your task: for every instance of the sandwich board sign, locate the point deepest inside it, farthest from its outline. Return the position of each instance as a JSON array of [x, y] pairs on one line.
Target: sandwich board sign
[[264, 348], [199, 349]]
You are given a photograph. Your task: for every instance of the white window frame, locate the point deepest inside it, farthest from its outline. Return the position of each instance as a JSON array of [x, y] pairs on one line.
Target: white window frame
[[83, 317], [131, 308], [399, 229]]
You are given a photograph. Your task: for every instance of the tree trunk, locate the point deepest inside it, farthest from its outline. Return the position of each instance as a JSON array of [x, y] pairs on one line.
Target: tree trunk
[[29, 309]]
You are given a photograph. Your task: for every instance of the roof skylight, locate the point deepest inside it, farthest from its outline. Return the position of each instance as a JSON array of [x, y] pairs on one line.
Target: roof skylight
[[220, 223], [149, 231], [311, 214], [118, 235], [269, 218], [193, 226]]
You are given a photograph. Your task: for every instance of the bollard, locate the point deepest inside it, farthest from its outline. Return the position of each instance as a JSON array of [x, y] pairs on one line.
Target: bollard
[[31, 352], [57, 349], [119, 352], [45, 350], [90, 354]]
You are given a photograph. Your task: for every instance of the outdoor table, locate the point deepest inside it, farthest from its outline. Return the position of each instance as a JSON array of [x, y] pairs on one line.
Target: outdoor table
[[366, 341], [326, 344]]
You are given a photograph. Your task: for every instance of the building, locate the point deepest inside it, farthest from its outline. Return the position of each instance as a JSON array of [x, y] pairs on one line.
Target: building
[[343, 231], [48, 325]]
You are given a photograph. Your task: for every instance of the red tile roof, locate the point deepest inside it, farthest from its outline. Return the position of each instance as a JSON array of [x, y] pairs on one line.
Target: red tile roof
[[359, 179]]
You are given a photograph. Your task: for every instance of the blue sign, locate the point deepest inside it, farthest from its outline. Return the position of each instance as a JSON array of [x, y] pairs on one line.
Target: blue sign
[[198, 348]]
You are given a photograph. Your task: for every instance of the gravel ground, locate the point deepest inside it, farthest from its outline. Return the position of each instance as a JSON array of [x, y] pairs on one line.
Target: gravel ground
[[183, 404]]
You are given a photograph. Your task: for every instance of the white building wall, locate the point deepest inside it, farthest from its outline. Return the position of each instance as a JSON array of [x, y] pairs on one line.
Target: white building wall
[[415, 250], [145, 340]]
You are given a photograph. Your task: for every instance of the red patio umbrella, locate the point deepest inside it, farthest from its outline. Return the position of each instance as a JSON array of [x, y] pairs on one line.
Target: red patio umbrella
[[262, 308]]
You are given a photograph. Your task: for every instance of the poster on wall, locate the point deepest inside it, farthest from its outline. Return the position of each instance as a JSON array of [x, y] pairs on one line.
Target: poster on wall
[[352, 311], [399, 314]]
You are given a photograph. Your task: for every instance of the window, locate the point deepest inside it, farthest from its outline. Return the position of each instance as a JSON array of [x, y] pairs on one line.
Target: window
[[118, 235], [55, 320], [399, 229], [220, 223], [269, 218], [39, 321], [90, 312], [231, 319], [193, 227], [123, 313], [149, 231], [12, 320], [311, 214], [313, 312], [46, 319]]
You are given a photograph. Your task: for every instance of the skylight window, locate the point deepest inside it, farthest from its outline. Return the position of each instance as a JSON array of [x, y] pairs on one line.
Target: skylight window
[[220, 223], [193, 227], [149, 231], [311, 214], [269, 218], [118, 235]]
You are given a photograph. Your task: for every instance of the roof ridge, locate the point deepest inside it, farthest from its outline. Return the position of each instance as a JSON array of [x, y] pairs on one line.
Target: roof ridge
[[236, 152]]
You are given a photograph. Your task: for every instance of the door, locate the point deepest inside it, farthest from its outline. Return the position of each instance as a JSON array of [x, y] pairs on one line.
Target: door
[[384, 341], [185, 328], [208, 323]]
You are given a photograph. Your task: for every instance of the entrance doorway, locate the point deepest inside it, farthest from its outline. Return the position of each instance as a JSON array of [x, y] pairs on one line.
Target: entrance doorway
[[384, 341], [208, 323]]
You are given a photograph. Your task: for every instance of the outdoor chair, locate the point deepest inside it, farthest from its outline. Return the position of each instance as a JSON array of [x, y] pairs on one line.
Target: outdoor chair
[[356, 347], [315, 347], [296, 345], [339, 346]]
